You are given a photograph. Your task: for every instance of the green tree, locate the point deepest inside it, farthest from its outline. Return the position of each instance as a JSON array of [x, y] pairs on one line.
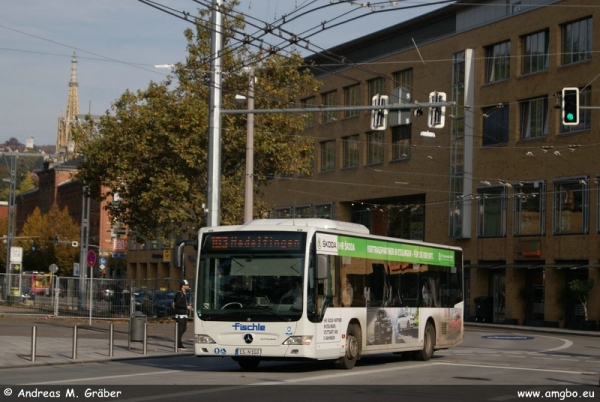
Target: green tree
[[26, 184], [39, 250], [151, 149], [581, 291]]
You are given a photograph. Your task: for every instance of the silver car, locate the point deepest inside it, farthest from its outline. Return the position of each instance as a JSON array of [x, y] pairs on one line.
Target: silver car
[[405, 321]]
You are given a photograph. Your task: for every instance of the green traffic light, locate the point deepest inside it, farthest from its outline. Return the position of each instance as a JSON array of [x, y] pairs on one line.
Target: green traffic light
[[570, 117]]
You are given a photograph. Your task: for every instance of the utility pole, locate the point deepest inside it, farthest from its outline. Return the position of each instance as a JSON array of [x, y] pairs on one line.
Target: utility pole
[[213, 197], [249, 190]]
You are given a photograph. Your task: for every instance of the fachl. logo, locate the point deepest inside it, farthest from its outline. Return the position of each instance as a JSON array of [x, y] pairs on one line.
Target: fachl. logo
[[238, 326]]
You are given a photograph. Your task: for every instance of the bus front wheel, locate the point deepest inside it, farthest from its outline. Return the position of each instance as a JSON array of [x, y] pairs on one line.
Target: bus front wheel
[[428, 344], [248, 363], [353, 345]]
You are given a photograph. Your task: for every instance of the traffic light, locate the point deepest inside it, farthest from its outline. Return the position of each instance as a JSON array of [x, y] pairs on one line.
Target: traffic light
[[379, 116], [437, 114], [56, 240], [570, 106]]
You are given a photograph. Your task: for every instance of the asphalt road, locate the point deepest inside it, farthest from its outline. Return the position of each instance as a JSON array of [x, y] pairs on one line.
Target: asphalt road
[[491, 364]]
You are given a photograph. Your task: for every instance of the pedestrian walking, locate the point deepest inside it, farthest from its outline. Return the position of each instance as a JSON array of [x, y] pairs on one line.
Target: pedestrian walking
[[181, 308]]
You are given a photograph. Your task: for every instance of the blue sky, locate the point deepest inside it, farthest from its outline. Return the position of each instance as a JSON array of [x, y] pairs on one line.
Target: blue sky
[[118, 42]]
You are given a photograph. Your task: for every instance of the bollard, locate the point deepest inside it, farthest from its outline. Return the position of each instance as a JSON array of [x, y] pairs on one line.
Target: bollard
[[175, 348], [33, 342], [74, 343], [111, 340], [145, 338]]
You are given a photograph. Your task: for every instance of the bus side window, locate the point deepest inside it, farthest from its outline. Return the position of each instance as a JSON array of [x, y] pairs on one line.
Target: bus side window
[[326, 287]]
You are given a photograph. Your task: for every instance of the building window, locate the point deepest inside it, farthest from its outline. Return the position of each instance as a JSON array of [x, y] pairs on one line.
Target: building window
[[585, 115], [576, 41], [491, 217], [513, 6], [324, 211], [283, 213], [309, 118], [376, 86], [458, 208], [571, 211], [597, 180], [350, 151], [529, 211], [303, 211], [495, 125], [375, 147], [401, 136], [535, 53], [329, 99], [404, 79], [534, 118], [351, 98], [497, 62], [327, 156]]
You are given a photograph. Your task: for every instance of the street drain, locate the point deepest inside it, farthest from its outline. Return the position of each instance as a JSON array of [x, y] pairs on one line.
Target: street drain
[[472, 378]]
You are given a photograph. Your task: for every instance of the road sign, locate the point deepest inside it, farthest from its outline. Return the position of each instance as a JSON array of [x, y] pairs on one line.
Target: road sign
[[91, 258], [53, 268], [102, 260], [75, 269], [16, 254]]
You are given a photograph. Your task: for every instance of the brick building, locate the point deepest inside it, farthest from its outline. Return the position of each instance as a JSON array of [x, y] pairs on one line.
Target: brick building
[[56, 185], [504, 179]]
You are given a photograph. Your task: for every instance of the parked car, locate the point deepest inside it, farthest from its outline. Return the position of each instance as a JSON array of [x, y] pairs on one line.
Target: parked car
[[158, 303], [104, 293], [405, 321], [138, 295], [27, 294]]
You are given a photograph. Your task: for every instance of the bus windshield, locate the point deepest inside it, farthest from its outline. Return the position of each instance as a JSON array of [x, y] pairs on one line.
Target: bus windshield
[[242, 277]]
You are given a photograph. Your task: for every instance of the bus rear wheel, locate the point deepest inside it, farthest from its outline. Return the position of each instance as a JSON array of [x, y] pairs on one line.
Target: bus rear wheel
[[353, 345], [248, 363], [428, 344]]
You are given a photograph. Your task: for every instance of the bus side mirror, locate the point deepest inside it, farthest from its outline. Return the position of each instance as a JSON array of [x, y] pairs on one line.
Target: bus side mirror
[[177, 253], [322, 266]]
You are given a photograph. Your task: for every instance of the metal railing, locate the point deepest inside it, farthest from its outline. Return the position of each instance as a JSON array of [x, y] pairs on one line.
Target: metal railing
[[99, 298]]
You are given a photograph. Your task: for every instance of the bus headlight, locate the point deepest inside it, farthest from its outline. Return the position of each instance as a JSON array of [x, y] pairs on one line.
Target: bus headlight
[[204, 339], [299, 340]]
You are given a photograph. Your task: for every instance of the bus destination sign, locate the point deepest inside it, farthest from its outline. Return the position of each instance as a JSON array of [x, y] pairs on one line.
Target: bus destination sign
[[254, 241]]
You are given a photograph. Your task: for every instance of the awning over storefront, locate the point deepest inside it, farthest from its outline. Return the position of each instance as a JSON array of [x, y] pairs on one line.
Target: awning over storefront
[[572, 265], [483, 265], [525, 265]]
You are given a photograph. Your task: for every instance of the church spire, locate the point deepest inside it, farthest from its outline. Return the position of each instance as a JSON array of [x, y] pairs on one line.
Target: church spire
[[64, 142]]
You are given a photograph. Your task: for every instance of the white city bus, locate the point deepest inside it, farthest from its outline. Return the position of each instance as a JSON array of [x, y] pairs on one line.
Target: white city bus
[[325, 290]]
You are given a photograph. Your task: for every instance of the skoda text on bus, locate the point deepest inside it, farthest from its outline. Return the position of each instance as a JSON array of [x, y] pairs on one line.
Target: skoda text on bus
[[325, 290]]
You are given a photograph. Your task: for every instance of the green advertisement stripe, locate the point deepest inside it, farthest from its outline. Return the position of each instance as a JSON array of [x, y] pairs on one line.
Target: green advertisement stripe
[[390, 251]]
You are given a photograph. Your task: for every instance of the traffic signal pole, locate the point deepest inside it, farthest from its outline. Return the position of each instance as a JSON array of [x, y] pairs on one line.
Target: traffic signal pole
[[395, 106]]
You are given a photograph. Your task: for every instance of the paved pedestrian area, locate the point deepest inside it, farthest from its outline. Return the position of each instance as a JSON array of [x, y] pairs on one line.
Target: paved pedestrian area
[[54, 339], [68, 340]]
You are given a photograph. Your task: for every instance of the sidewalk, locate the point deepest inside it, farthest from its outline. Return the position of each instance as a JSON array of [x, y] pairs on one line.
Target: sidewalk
[[54, 340]]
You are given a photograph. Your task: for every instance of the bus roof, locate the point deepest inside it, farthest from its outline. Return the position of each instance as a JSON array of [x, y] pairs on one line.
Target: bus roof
[[304, 222]]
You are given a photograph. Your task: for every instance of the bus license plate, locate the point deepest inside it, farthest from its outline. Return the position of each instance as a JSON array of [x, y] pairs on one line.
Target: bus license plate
[[247, 352]]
